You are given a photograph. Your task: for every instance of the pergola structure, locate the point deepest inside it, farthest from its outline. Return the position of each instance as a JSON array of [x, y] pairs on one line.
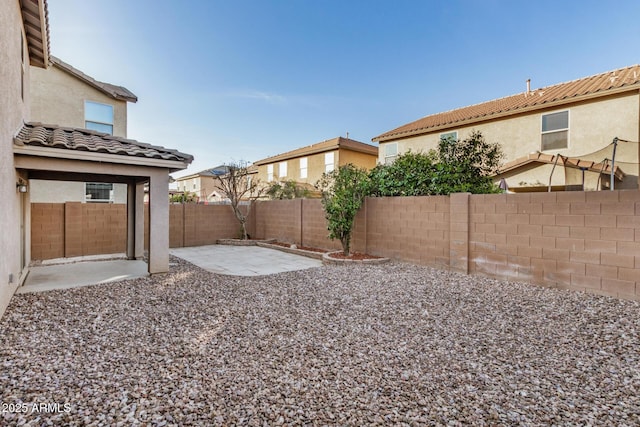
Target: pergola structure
[[56, 153]]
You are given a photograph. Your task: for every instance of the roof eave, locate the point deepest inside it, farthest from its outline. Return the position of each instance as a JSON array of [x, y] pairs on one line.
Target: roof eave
[[61, 153], [35, 19], [551, 104]]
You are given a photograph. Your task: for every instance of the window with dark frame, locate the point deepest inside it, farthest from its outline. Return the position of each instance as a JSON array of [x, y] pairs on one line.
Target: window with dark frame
[[98, 192]]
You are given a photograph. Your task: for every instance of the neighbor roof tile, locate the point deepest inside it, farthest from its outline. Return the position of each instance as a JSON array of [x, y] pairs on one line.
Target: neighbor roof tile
[[598, 85]]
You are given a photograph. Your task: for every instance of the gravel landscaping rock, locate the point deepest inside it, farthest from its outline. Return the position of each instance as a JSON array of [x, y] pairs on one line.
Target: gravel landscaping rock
[[390, 344]]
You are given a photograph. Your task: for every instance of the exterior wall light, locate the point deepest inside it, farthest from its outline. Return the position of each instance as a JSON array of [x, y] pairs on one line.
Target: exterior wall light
[[22, 188]]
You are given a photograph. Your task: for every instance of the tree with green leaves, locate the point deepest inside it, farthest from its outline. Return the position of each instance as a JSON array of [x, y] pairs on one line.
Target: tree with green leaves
[[457, 166], [343, 193], [237, 184], [289, 189]]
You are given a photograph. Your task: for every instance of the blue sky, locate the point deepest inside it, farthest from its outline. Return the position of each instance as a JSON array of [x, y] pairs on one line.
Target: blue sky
[[247, 79]]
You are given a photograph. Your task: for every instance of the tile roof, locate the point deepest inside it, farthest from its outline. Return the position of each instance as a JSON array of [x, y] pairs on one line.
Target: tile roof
[[208, 172], [328, 145], [35, 17], [117, 92], [572, 162], [52, 136], [620, 80]]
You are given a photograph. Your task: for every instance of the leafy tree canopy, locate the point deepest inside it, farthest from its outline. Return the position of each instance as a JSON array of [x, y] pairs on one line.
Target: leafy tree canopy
[[343, 193]]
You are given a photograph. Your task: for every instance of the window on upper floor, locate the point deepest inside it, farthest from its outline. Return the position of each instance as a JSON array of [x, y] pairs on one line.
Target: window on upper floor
[[303, 167], [453, 136], [98, 192], [555, 131], [269, 173], [390, 152], [329, 162], [282, 170], [98, 117]]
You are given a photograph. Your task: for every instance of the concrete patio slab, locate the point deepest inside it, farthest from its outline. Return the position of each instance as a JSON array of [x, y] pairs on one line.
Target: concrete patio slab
[[244, 260], [63, 276]]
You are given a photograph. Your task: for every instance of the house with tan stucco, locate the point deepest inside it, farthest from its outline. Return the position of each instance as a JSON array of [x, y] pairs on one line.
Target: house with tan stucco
[[559, 137], [35, 151], [63, 95], [307, 164]]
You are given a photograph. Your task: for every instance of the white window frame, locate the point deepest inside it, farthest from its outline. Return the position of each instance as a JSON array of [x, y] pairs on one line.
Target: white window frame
[[270, 172], [453, 135], [282, 170], [304, 164], [548, 132], [329, 162], [95, 121], [92, 200], [390, 155]]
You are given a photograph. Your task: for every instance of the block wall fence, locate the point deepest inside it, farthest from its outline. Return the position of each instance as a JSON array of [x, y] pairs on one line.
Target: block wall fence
[[62, 230], [586, 241]]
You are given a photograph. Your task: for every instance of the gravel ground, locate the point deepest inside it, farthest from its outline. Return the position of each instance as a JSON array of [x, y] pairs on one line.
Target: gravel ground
[[389, 344]]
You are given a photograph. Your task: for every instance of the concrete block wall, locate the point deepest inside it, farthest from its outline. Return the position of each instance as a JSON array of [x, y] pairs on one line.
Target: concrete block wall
[[47, 230], [77, 229], [586, 241]]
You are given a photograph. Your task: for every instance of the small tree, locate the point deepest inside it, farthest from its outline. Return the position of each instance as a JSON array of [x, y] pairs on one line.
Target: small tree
[[343, 192], [457, 166], [467, 165], [236, 183]]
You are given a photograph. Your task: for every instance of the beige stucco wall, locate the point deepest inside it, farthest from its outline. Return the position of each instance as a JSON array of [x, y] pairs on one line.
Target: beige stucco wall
[[315, 169], [592, 126], [315, 166], [58, 98], [201, 186], [362, 160], [68, 191], [13, 111]]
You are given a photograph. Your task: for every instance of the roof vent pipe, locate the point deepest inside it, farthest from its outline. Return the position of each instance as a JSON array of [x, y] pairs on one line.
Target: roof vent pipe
[[528, 85]]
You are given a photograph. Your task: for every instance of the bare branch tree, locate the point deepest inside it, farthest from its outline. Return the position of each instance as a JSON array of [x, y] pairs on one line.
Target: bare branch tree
[[236, 183]]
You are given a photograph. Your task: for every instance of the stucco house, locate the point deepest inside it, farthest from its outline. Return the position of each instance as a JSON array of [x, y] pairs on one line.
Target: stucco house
[[307, 164], [64, 95], [560, 136], [33, 151], [202, 184]]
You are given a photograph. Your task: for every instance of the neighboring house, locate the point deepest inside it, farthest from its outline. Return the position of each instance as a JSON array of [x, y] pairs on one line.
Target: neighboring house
[[30, 151], [307, 164], [65, 96], [568, 122], [203, 184]]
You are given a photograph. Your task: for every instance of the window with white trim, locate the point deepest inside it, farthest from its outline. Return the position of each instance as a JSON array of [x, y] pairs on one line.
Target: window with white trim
[[453, 136], [98, 117], [555, 131], [390, 152], [269, 173], [303, 167], [329, 162], [98, 192], [282, 170]]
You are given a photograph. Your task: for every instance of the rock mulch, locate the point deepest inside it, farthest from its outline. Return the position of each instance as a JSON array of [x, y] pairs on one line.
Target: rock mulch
[[389, 344]]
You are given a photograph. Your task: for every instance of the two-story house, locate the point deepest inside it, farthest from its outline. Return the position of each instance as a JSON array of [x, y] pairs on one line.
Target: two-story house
[[65, 96], [307, 164], [560, 136], [31, 151]]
